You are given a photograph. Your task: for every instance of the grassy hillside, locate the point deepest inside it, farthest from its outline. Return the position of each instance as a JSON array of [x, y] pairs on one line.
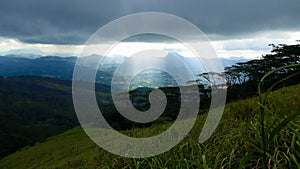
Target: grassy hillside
[[33, 108], [235, 144]]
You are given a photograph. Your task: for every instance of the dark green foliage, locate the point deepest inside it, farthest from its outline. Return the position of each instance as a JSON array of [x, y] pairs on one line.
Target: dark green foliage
[[32, 109], [243, 77], [139, 98]]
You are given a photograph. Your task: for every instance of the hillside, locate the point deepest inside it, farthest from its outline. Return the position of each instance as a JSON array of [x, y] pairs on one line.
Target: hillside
[[33, 108], [235, 144]]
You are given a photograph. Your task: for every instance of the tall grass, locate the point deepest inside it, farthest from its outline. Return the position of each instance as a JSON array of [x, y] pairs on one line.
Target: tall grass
[[271, 125]]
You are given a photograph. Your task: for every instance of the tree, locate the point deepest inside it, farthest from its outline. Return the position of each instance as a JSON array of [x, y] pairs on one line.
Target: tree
[[244, 76]]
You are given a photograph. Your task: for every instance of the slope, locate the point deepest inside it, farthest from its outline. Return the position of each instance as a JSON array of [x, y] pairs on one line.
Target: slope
[[235, 143], [33, 108]]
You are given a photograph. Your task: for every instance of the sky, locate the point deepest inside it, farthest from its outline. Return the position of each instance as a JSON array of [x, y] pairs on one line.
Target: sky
[[236, 28]]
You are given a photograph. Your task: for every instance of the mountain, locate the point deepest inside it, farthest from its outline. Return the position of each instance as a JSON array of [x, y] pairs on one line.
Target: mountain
[[23, 55], [227, 62], [172, 61], [50, 66], [62, 67], [46, 66], [25, 52]]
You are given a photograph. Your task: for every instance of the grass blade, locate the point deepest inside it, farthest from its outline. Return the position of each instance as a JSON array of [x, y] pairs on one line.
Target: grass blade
[[276, 130]]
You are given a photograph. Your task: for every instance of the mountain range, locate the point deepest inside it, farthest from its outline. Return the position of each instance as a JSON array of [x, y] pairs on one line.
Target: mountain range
[[62, 67]]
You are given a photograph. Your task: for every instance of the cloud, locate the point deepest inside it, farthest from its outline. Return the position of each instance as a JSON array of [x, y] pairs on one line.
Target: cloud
[[14, 46], [73, 22]]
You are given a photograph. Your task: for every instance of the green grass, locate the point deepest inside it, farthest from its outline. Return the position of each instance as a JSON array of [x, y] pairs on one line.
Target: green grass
[[236, 143]]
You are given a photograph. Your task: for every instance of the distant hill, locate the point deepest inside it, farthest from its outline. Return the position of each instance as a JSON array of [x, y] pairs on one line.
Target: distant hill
[[62, 67], [33, 108], [172, 61], [49, 66]]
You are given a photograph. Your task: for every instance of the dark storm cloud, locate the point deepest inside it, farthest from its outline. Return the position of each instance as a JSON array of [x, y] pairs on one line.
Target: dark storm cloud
[[64, 22]]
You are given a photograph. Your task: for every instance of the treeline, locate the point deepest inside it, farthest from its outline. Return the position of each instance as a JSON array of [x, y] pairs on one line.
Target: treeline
[[244, 77]]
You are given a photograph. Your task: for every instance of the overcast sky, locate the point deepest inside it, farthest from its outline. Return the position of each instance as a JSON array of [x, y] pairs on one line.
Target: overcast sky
[[61, 27]]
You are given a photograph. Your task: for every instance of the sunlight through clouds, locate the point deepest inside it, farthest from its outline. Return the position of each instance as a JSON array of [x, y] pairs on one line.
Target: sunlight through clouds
[[248, 47]]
